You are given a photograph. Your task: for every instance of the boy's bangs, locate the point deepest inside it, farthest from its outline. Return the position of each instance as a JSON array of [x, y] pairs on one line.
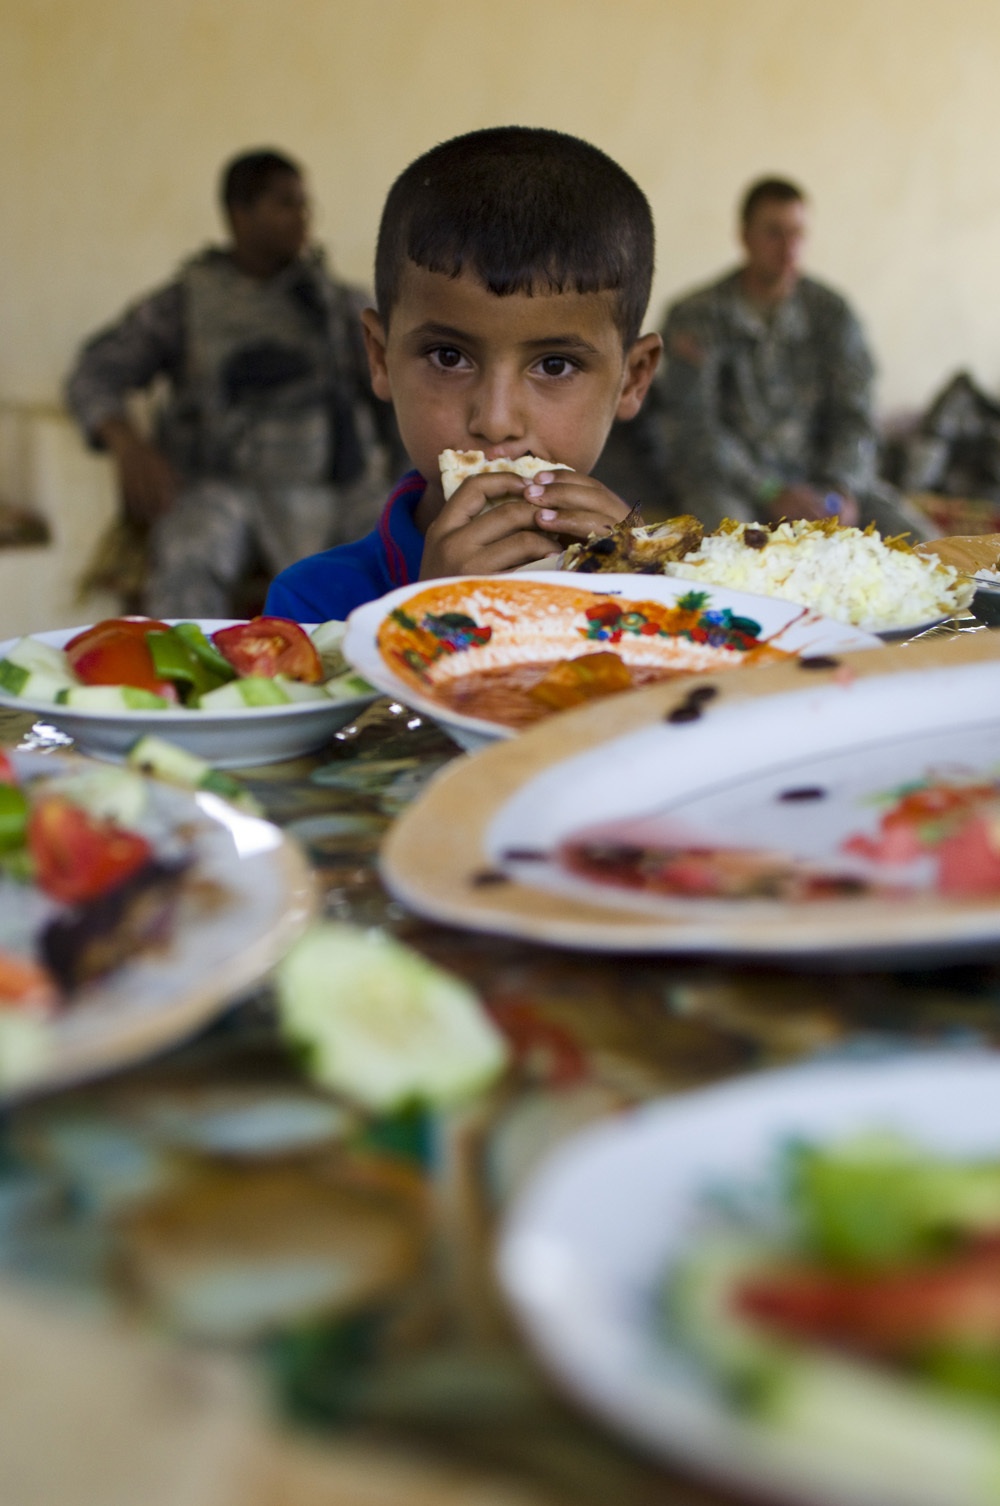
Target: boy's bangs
[[525, 210], [507, 263]]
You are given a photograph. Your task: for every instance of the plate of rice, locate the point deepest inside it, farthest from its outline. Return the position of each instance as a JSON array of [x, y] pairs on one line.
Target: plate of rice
[[850, 574]]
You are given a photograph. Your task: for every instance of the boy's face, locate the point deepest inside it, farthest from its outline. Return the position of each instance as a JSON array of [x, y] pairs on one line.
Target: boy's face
[[542, 375]]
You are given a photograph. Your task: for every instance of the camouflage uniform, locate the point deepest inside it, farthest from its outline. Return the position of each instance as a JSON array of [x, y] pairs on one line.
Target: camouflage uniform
[[270, 422], [752, 401]]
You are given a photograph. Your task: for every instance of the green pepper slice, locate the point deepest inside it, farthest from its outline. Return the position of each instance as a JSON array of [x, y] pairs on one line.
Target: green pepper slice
[[174, 660], [204, 649], [13, 817]]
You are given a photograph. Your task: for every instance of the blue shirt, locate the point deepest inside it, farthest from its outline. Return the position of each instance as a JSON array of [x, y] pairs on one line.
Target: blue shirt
[[330, 585]]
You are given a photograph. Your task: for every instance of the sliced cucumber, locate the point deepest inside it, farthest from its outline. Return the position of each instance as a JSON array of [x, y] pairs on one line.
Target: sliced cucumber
[[32, 654], [846, 1416], [383, 1025], [26, 1046], [298, 691], [112, 698], [109, 792], [699, 1306], [33, 684], [348, 687], [165, 760], [327, 640], [880, 1429], [255, 690]]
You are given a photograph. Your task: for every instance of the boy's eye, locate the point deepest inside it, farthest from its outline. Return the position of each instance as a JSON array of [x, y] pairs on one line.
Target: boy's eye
[[556, 366], [447, 357]]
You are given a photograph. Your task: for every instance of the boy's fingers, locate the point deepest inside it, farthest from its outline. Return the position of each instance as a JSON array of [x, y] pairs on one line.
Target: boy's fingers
[[579, 524], [508, 553], [522, 548], [486, 527], [478, 492]]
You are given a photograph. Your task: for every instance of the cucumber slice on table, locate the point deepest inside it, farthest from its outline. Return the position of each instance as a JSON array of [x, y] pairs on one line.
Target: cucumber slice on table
[[165, 760], [382, 1024]]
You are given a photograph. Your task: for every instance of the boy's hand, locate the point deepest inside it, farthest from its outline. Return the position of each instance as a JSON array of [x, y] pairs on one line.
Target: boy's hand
[[522, 528], [573, 505]]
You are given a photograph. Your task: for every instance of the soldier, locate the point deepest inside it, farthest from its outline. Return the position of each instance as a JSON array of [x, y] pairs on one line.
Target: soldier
[[263, 449], [767, 388]]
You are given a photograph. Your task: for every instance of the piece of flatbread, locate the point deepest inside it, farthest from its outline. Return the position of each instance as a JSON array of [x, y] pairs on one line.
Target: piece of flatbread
[[971, 554], [458, 465]]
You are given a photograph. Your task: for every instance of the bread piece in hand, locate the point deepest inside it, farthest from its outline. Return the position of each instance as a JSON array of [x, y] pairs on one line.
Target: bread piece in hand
[[458, 465]]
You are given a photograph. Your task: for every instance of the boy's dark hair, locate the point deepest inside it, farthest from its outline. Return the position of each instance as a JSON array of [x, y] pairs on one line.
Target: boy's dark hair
[[247, 176], [780, 190], [525, 210]]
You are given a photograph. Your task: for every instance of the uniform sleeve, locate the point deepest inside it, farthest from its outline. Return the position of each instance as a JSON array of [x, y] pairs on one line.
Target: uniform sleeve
[[848, 443], [702, 453], [146, 342]]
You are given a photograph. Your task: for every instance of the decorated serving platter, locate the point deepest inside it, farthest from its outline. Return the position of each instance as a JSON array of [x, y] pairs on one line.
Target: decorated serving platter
[[841, 804], [487, 656]]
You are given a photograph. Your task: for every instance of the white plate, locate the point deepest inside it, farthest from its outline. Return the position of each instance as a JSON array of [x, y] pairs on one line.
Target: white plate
[[228, 739], [802, 632], [585, 1250], [897, 634], [267, 898], [476, 848]]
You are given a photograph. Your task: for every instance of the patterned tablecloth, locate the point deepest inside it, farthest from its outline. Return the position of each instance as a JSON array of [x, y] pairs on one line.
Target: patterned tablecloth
[[212, 1194]]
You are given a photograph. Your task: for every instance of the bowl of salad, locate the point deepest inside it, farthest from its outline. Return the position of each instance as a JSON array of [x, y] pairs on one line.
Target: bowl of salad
[[236, 693]]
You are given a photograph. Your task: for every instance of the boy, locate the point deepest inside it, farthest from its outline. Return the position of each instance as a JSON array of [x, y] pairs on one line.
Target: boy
[[512, 273]]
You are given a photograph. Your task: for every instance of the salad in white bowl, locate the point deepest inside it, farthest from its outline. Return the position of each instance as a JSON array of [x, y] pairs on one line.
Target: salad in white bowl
[[237, 693]]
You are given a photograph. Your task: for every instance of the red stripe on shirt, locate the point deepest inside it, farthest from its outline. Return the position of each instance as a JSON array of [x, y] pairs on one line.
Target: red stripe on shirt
[[395, 560]]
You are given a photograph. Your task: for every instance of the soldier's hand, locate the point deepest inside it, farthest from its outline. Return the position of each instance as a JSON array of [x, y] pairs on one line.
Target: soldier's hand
[[146, 479], [815, 505]]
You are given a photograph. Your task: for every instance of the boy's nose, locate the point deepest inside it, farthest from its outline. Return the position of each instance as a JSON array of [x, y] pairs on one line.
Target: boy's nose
[[496, 414]]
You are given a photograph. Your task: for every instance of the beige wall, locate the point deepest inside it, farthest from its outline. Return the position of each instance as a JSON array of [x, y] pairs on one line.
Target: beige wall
[[115, 115]]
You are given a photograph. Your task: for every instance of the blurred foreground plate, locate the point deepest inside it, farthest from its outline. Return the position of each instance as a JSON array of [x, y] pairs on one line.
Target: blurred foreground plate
[[586, 1248], [253, 896], [790, 760]]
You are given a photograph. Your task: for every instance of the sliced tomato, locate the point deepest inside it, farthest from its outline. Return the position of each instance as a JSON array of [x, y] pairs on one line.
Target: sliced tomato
[[270, 646], [891, 1313], [969, 859], [77, 857], [136, 627], [115, 652], [7, 775]]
